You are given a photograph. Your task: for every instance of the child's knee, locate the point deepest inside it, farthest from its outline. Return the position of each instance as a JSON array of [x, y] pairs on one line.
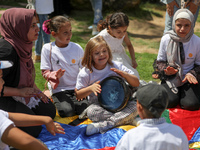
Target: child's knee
[[66, 110]]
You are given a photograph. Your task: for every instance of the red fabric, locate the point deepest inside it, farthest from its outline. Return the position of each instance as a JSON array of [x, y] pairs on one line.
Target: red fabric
[[189, 121], [105, 148]]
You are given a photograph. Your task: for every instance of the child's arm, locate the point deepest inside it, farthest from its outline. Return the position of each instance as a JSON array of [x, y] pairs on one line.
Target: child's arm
[[131, 79], [131, 50], [84, 92], [24, 120], [17, 138], [53, 76]]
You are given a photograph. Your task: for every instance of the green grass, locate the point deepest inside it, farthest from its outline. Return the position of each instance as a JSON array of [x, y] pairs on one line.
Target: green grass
[[39, 80], [145, 68]]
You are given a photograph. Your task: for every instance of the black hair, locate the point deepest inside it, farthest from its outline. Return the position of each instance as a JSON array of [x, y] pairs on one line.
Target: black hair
[[116, 20]]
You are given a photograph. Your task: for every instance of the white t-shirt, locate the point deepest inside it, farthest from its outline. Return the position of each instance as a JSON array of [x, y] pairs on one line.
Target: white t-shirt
[[68, 58], [85, 78], [162, 136], [191, 49], [4, 124], [44, 6]]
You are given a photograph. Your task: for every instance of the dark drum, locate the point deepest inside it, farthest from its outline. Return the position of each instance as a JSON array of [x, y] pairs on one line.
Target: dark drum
[[115, 94]]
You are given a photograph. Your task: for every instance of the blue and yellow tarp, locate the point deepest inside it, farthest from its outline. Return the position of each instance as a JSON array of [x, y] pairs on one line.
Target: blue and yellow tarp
[[76, 139]]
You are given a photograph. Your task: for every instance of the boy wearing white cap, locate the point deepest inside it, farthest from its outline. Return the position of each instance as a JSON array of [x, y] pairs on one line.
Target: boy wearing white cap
[[153, 133]]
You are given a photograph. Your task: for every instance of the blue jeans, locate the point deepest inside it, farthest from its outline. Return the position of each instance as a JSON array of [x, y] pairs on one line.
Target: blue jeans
[[42, 37], [168, 19], [97, 8]]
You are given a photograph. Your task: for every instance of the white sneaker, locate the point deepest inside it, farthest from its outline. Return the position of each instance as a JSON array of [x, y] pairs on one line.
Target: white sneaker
[[90, 27], [94, 30], [92, 128]]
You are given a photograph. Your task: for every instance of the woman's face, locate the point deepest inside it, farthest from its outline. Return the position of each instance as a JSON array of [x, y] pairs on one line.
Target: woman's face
[[33, 31], [1, 80], [182, 27]]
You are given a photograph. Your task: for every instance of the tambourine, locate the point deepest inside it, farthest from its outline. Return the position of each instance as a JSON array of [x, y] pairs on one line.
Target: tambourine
[[115, 93]]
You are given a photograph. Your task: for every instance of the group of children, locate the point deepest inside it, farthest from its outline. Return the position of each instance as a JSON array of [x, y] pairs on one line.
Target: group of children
[[74, 78]]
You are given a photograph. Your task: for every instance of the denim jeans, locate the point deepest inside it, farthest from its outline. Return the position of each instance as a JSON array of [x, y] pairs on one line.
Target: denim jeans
[[42, 37], [97, 8], [168, 19]]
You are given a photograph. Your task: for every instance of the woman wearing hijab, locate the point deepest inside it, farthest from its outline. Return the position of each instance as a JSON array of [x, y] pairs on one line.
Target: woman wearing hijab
[[178, 62], [18, 28]]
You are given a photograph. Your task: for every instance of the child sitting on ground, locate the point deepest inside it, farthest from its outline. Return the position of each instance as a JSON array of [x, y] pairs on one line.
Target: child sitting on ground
[[98, 65], [60, 64], [153, 132]]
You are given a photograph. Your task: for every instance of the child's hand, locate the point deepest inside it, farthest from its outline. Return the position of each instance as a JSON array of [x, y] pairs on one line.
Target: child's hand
[[121, 73], [96, 88], [134, 63], [60, 73], [80, 99], [53, 127]]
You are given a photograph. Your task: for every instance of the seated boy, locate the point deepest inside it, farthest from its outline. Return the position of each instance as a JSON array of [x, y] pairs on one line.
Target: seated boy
[[153, 133]]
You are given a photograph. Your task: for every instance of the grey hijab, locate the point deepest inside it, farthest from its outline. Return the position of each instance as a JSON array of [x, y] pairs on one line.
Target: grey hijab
[[173, 49]]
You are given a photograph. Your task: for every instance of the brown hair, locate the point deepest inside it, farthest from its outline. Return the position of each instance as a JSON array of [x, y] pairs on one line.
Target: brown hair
[[56, 22], [148, 113], [90, 48], [116, 20]]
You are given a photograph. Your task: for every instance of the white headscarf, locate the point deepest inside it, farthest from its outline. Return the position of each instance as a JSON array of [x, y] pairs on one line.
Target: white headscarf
[[173, 49]]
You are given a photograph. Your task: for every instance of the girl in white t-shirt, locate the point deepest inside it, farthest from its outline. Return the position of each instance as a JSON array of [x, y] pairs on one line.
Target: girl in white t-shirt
[[60, 64], [114, 32], [98, 65]]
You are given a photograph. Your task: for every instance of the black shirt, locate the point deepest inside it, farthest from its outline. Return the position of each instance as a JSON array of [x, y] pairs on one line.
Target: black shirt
[[11, 75]]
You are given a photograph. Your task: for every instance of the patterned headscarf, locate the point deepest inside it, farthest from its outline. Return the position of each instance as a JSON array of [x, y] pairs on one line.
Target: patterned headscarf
[[14, 27]]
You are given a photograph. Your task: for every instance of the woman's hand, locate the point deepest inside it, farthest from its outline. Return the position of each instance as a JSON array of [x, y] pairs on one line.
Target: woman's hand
[[27, 92], [170, 8], [40, 95], [190, 78], [192, 7], [170, 71], [134, 63], [96, 88]]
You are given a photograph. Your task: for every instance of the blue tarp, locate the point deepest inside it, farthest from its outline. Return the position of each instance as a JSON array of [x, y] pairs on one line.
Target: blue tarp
[[76, 139]]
